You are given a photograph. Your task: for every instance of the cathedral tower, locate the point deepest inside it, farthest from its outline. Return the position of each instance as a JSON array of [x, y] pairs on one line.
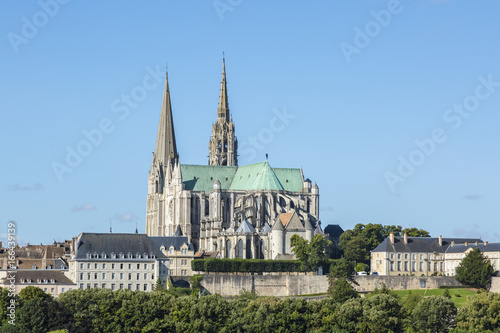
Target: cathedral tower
[[165, 160], [223, 146]]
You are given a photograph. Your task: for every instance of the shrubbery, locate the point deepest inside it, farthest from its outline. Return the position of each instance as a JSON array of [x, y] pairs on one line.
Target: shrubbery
[[245, 265]]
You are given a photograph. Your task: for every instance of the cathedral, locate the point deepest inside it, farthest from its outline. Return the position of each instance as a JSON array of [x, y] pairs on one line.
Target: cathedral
[[248, 211]]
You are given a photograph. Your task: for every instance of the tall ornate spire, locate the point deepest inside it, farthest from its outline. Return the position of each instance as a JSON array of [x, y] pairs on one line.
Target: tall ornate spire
[[166, 149], [223, 145], [223, 109]]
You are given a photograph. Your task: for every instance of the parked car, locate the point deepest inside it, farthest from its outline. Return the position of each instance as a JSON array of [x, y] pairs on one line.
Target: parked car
[[362, 273], [374, 273]]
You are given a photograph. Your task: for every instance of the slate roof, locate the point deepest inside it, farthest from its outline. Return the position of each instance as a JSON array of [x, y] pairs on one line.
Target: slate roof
[[258, 176], [461, 248], [245, 227], [116, 243], [266, 227], [168, 241], [334, 230], [419, 244], [32, 276]]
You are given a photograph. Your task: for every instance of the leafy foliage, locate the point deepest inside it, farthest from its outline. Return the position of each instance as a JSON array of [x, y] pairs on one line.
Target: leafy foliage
[[433, 314], [245, 265], [357, 243], [475, 270], [312, 254], [480, 314], [341, 290]]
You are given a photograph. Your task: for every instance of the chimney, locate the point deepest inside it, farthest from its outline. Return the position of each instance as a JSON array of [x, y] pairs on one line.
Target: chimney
[[440, 240], [452, 243], [485, 242], [406, 238], [477, 243], [466, 243], [391, 237]]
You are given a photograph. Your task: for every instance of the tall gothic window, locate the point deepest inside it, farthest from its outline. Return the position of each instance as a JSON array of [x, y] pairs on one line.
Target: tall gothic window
[[240, 249], [228, 249], [207, 207]]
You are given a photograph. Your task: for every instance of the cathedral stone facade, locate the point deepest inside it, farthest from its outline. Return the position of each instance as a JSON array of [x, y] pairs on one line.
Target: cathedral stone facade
[[246, 211]]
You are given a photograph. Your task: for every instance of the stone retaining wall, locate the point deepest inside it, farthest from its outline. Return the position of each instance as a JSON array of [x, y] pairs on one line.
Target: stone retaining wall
[[293, 285]]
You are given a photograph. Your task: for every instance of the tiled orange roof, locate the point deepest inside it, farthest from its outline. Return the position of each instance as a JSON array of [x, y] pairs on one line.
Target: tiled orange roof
[[285, 218]]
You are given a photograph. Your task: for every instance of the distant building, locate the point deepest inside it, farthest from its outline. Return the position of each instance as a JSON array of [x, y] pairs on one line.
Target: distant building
[[179, 253], [117, 261], [412, 255], [53, 282], [53, 256], [456, 252], [333, 233]]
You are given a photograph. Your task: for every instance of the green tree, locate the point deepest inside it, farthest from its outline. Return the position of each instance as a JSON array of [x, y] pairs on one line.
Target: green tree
[[434, 314], [341, 290], [312, 254], [357, 243], [414, 232], [362, 267], [31, 292], [341, 268], [481, 313], [475, 270]]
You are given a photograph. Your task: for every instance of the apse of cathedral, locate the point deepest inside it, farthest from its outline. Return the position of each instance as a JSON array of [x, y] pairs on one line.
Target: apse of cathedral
[[248, 211]]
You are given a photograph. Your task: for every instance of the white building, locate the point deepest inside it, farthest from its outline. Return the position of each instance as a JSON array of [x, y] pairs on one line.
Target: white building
[[456, 252], [117, 261]]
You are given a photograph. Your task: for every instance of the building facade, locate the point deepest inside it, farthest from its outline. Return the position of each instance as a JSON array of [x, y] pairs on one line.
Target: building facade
[[117, 261], [51, 281], [222, 206], [179, 253], [456, 252], [413, 255]]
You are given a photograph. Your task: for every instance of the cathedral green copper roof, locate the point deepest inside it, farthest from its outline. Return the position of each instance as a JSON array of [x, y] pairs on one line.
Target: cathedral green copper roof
[[258, 176], [203, 177]]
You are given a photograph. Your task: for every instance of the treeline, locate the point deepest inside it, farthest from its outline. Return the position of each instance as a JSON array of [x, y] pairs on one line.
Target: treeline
[[103, 310]]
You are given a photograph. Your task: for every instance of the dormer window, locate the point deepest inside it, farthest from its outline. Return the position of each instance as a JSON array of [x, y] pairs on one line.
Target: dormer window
[[49, 266], [52, 281], [34, 266], [129, 255], [122, 255], [45, 281], [103, 255], [23, 280], [89, 255], [39, 280], [145, 256], [96, 255], [138, 255], [113, 255]]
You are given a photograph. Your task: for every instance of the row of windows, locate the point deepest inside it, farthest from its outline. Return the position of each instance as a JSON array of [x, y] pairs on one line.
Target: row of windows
[[183, 251], [414, 256], [96, 255], [96, 276], [121, 266], [406, 266], [113, 286], [52, 290]]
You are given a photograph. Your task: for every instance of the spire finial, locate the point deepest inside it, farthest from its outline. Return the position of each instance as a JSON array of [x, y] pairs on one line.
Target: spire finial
[[110, 229], [267, 156]]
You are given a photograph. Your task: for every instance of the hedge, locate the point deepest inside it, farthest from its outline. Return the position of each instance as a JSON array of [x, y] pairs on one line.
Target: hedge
[[245, 265]]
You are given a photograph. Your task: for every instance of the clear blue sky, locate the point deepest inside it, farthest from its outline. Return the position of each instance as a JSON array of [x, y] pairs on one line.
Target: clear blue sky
[[363, 80]]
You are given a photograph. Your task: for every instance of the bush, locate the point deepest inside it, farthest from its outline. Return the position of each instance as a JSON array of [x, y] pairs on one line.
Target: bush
[[245, 265]]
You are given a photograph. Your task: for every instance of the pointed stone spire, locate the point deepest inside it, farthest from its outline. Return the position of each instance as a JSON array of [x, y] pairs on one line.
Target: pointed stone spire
[[166, 149], [223, 109]]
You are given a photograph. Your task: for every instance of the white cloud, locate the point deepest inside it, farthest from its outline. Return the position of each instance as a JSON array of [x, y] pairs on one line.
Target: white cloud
[[84, 208]]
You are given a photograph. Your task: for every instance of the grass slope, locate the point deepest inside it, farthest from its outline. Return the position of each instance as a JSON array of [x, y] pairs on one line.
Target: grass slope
[[458, 295]]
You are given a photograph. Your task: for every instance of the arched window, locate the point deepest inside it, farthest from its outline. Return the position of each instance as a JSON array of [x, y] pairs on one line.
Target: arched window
[[228, 249], [207, 207], [282, 202], [292, 205]]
